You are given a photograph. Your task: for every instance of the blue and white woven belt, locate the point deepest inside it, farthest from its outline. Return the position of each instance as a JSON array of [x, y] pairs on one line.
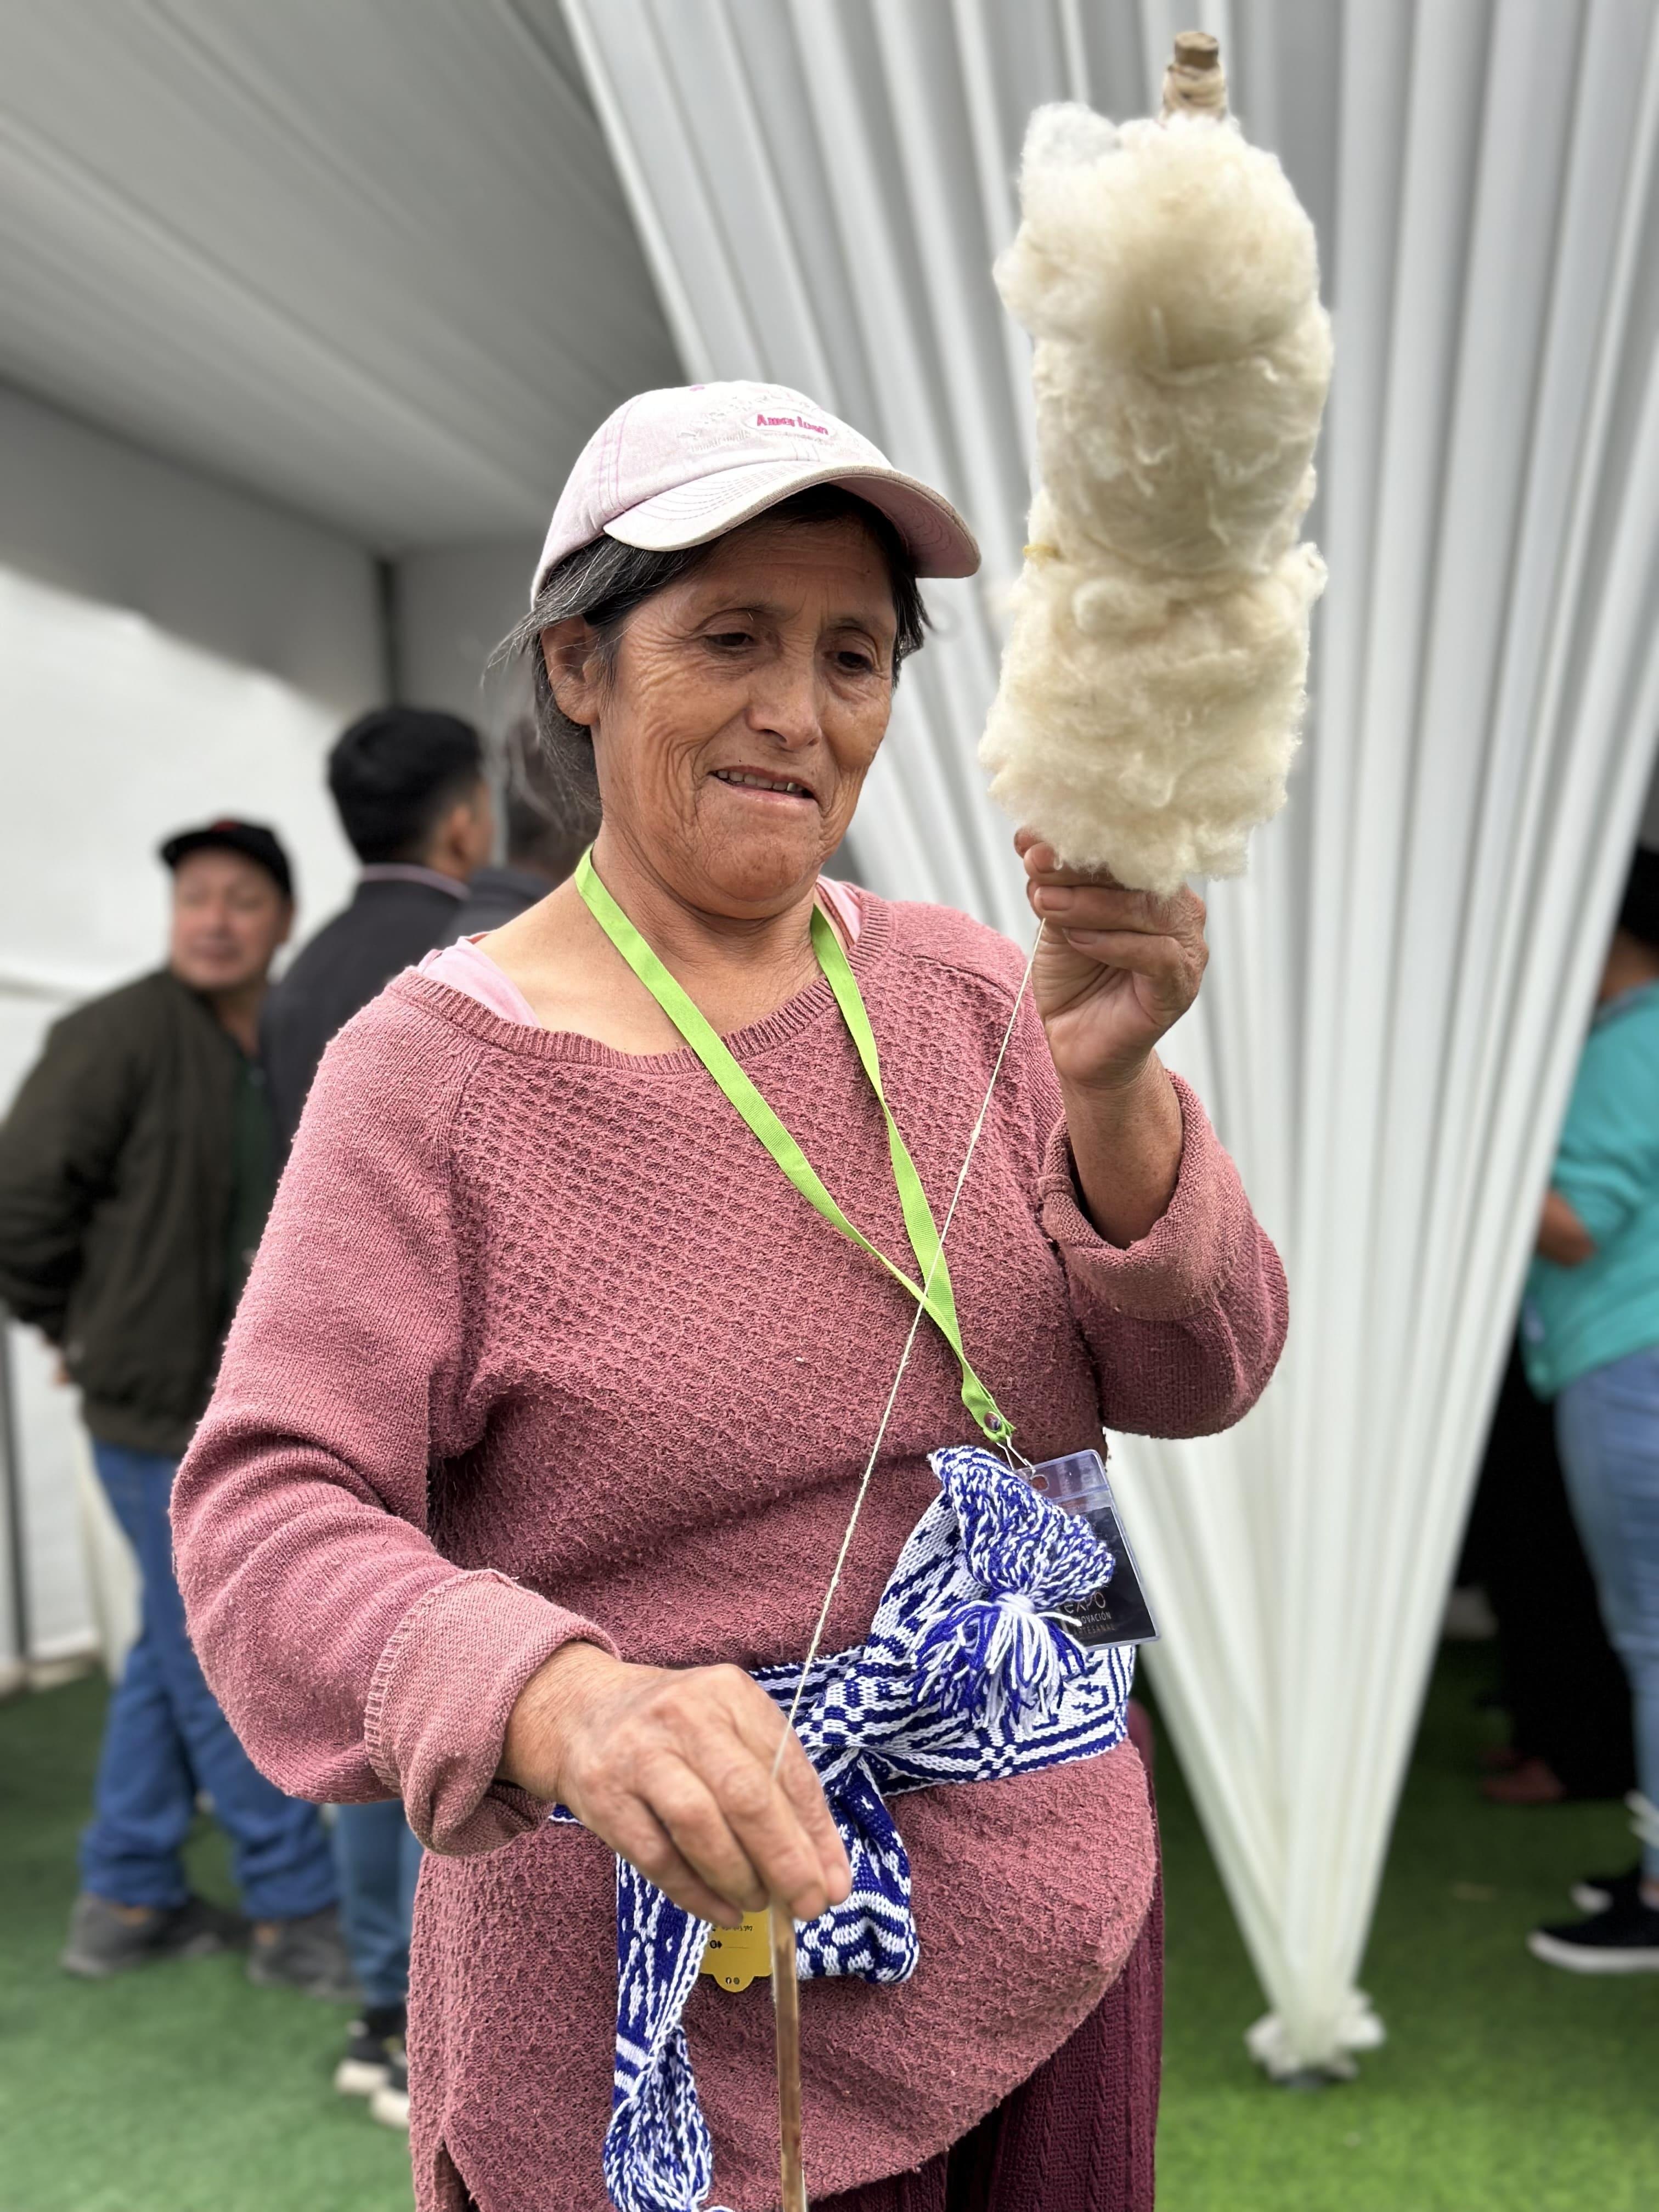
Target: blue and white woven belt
[[969, 1673]]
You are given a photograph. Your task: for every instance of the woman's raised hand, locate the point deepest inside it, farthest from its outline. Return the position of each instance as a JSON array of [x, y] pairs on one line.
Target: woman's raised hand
[[1113, 970], [672, 1768], [1116, 967]]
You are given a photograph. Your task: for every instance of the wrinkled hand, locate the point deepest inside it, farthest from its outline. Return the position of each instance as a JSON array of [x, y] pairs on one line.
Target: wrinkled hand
[[672, 1768], [1116, 967]]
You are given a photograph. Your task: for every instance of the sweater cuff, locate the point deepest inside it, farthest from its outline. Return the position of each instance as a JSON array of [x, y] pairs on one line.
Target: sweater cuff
[[1185, 1257], [442, 1694]]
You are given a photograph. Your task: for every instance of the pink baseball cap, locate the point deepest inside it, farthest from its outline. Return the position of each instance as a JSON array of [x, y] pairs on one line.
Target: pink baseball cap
[[679, 467]]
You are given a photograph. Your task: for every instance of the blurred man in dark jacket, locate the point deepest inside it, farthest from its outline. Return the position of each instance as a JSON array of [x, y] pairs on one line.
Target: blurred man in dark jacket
[[413, 801], [137, 1166], [412, 798], [548, 824]]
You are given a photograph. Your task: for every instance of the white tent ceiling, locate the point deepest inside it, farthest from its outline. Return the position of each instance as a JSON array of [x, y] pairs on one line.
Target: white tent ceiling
[[367, 257]]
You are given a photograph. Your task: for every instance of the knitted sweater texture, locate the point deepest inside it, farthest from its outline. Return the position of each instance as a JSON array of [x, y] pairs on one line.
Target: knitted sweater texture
[[539, 1345]]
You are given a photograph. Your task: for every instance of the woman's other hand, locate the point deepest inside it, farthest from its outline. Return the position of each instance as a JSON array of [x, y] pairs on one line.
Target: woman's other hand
[[1116, 967], [672, 1768], [1562, 1237]]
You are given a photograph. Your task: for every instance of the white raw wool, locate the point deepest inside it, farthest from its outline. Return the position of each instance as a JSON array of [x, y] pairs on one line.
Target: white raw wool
[[1153, 681]]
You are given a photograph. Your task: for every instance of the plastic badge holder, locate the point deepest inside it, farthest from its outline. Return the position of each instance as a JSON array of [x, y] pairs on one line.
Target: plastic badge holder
[[1118, 1611]]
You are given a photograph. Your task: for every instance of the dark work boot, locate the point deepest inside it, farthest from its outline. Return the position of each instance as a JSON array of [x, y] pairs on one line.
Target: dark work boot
[[104, 1939], [308, 1955]]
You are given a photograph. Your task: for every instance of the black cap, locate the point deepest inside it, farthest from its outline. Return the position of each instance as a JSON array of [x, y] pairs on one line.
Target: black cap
[[251, 839]]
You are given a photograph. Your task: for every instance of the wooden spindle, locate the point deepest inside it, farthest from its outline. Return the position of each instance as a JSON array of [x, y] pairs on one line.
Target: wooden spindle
[[785, 2006]]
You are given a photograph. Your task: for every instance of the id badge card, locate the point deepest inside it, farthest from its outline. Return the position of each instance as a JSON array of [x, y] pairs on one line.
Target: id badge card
[[1118, 1611]]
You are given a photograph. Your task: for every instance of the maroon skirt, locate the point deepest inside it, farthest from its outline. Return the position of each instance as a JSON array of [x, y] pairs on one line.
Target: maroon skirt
[[1079, 2135]]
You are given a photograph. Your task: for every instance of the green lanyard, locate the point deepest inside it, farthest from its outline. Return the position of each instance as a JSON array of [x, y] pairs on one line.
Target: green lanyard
[[933, 1293]]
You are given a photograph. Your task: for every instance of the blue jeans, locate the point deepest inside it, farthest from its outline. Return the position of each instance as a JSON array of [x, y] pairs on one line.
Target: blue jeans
[[165, 1739], [379, 1861], [1607, 1424]]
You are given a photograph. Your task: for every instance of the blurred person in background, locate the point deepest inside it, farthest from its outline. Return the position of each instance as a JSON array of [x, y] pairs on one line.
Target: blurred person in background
[[549, 822], [137, 1166], [1566, 1694], [412, 797], [413, 801], [1590, 1330]]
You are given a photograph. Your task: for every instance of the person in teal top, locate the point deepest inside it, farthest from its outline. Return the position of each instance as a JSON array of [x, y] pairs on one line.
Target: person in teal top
[[1589, 1332], [1592, 1294]]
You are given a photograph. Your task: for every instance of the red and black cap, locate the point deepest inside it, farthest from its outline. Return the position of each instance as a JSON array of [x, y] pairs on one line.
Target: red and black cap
[[251, 839]]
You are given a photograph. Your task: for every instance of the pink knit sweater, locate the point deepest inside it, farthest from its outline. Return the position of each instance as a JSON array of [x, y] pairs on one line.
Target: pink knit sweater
[[539, 1345]]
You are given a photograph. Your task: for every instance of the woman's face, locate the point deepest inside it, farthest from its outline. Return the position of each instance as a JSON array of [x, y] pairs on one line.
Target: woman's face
[[747, 703]]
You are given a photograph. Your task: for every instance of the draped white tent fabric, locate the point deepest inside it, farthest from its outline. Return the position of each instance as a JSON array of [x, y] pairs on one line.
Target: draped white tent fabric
[[1400, 985]]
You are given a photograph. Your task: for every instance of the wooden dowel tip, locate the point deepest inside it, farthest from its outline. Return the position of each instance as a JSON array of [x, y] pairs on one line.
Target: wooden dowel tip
[[1194, 83], [1197, 50]]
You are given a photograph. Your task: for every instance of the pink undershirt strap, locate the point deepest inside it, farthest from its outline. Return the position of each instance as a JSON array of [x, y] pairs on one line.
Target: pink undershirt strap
[[466, 966]]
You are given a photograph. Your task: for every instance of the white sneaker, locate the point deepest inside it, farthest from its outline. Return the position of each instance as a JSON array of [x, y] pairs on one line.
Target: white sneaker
[[1623, 1940], [372, 2045], [390, 2103]]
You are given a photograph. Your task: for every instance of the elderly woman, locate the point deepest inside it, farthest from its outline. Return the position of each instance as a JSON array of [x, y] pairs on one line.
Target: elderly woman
[[545, 1410]]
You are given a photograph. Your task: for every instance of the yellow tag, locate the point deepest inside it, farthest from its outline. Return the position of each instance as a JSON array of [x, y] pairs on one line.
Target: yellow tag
[[737, 1956]]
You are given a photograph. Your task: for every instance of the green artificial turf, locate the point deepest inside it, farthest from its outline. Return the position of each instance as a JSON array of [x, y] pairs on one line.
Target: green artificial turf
[[178, 2088], [1506, 2086]]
